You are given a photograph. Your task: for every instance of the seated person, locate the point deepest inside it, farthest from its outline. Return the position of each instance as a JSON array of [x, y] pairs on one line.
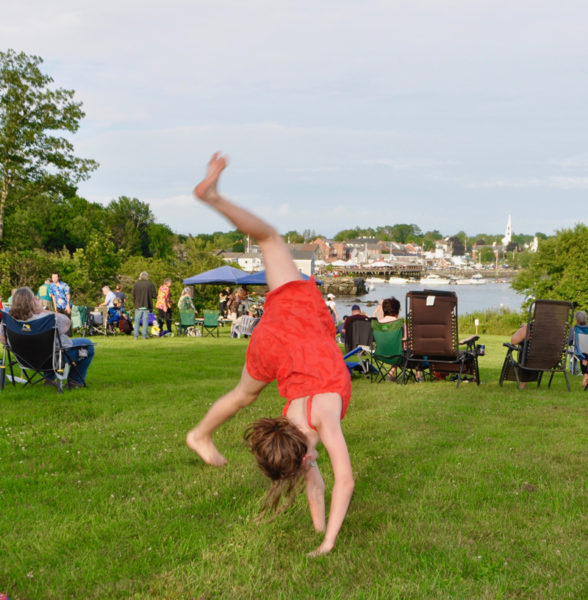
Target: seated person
[[117, 317], [356, 313], [109, 297], [27, 307], [581, 328], [388, 310], [185, 302], [120, 295]]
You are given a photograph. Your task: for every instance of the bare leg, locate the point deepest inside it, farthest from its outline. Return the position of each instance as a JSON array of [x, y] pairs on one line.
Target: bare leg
[[199, 439], [280, 267]]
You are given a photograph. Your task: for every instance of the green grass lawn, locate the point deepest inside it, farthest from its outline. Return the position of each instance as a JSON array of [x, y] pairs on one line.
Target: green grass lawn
[[476, 492]]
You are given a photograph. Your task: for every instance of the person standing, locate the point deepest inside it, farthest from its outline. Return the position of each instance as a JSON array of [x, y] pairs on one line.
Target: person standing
[[164, 307], [60, 294], [223, 298], [332, 307], [143, 294], [44, 296]]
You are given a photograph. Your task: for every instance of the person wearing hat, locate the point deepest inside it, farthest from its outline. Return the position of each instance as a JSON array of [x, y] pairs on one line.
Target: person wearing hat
[[332, 307], [356, 313]]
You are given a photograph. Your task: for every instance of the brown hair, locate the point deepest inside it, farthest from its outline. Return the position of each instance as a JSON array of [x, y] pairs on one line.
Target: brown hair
[[391, 307], [279, 448], [23, 304]]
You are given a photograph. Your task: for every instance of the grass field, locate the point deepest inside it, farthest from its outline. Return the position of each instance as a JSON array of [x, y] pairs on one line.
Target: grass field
[[477, 492]]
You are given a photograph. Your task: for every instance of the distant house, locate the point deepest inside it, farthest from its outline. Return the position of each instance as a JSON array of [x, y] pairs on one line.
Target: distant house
[[248, 261], [330, 250], [443, 248], [304, 260], [365, 250]]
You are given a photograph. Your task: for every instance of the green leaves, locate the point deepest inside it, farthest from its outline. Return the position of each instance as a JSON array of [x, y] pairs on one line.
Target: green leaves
[[31, 117], [558, 270]]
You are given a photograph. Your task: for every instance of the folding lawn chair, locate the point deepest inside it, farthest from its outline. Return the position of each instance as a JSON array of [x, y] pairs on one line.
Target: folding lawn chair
[[35, 348], [210, 323], [243, 326], [358, 342], [578, 348], [544, 347], [187, 320], [432, 338], [387, 351], [79, 322]]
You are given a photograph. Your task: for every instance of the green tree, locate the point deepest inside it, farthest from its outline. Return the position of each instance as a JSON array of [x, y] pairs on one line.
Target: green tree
[[293, 237], [557, 271], [404, 233], [130, 220], [32, 156]]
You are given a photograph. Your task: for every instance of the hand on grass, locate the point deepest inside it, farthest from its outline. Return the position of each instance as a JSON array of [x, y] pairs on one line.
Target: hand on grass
[[324, 548]]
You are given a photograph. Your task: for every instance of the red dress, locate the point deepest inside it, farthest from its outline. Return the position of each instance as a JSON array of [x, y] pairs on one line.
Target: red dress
[[295, 343]]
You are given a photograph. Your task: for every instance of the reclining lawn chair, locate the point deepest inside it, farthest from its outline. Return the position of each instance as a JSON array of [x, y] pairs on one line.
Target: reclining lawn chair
[[35, 348], [358, 341], [432, 337], [210, 323], [544, 347], [388, 350]]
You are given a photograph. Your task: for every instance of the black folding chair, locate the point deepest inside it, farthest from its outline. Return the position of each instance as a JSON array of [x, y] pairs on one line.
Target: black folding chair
[[34, 347]]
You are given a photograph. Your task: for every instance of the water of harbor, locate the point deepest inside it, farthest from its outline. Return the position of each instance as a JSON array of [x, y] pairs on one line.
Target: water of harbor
[[471, 298]]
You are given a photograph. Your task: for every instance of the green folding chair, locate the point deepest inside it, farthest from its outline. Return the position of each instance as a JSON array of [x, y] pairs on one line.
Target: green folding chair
[[387, 351], [79, 317], [210, 323], [187, 319]]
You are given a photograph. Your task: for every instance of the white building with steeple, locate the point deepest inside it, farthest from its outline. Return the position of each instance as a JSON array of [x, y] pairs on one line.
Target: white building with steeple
[[507, 239]]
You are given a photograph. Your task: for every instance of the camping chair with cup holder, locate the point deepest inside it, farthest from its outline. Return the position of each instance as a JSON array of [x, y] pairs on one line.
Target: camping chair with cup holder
[[433, 344]]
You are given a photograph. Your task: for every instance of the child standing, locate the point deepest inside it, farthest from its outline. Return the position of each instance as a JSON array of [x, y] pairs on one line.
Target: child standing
[[300, 352]]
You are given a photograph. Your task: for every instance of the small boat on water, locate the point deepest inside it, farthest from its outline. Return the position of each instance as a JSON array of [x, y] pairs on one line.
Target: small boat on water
[[375, 281], [476, 279], [433, 279], [397, 280]]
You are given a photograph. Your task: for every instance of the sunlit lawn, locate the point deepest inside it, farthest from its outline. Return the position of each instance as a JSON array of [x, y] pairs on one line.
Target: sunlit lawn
[[472, 493]]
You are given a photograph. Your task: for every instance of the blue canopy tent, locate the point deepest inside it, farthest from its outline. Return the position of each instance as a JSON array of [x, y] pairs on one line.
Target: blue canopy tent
[[260, 279], [224, 274]]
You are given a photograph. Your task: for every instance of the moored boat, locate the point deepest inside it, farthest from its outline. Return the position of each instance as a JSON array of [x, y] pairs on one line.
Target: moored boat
[[433, 279]]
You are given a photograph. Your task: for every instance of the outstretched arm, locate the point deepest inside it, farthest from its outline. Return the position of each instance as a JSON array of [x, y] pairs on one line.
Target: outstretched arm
[[331, 435]]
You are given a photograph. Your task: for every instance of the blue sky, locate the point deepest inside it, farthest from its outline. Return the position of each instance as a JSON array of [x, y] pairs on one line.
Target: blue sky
[[335, 114]]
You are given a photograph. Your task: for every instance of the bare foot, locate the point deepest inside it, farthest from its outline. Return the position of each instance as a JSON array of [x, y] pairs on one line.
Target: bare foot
[[206, 449], [206, 189]]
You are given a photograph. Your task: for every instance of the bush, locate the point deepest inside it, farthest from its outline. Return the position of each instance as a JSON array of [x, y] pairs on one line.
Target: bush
[[494, 322]]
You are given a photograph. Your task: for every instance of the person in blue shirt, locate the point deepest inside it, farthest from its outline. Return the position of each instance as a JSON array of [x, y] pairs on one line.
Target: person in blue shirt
[[60, 294]]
